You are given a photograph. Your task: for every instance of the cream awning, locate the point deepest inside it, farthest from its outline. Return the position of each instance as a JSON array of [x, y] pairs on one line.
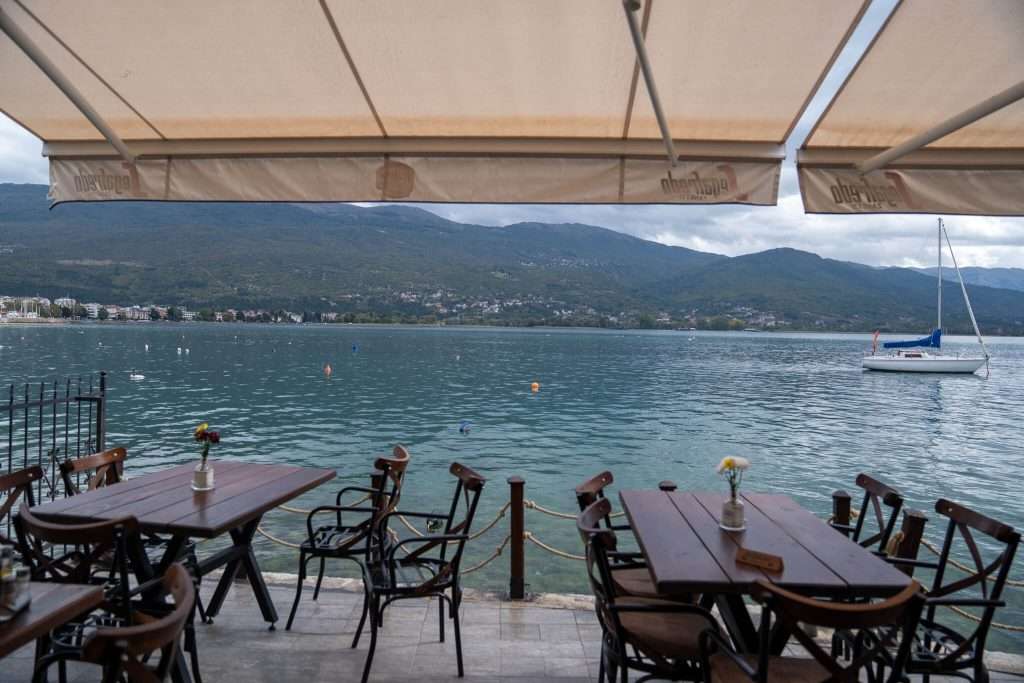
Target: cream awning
[[932, 61], [426, 101]]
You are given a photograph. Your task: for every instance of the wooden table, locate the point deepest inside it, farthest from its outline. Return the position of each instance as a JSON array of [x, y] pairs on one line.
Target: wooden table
[[53, 604], [688, 553], [164, 503]]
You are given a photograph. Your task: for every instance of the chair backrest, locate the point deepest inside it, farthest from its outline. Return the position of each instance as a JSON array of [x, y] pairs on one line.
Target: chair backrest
[[598, 542], [13, 487], [863, 621], [125, 650], [884, 504], [388, 479], [988, 580], [592, 490], [103, 469], [101, 552]]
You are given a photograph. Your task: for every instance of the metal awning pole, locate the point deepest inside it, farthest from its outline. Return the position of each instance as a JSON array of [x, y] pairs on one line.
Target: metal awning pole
[[631, 7], [964, 118], [29, 47]]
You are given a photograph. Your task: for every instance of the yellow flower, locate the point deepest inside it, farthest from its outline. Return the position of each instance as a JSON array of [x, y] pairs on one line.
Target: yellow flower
[[201, 429], [727, 463]]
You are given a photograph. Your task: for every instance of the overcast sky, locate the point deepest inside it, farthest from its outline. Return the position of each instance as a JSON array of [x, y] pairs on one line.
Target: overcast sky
[[881, 240]]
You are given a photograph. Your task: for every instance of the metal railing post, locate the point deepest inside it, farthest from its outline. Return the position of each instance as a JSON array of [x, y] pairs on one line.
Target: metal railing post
[[101, 415], [841, 510], [517, 559]]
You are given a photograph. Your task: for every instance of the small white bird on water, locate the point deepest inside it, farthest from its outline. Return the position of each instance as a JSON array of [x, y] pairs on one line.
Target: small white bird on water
[[135, 376], [179, 350], [146, 346]]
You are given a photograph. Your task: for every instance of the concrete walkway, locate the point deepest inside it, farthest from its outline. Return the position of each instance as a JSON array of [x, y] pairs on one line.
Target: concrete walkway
[[502, 641]]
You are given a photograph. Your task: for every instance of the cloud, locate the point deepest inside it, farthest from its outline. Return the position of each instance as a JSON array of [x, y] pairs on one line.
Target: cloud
[[732, 230]]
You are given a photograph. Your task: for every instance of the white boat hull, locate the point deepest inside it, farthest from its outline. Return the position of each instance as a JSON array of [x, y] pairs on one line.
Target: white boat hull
[[929, 364]]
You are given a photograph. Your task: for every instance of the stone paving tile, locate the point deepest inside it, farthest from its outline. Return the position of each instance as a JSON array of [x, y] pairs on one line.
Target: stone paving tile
[[502, 643]]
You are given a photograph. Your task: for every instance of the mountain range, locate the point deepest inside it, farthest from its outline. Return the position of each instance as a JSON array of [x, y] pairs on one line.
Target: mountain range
[[405, 260]]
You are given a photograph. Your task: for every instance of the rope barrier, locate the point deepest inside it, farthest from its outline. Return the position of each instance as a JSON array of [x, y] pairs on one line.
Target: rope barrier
[[534, 505], [494, 556], [968, 570], [275, 539], [528, 536], [305, 511]]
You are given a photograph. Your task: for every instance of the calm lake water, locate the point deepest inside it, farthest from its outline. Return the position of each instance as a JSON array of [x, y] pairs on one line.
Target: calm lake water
[[646, 405]]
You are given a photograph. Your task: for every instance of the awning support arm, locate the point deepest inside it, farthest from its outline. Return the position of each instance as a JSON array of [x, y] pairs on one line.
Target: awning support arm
[[32, 50], [631, 7], [964, 118]]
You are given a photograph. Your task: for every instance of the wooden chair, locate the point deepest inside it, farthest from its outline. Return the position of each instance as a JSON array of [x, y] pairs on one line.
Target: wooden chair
[[421, 566], [658, 637], [876, 495], [102, 469], [954, 648], [14, 487], [125, 651], [882, 634], [344, 540], [101, 553], [629, 572]]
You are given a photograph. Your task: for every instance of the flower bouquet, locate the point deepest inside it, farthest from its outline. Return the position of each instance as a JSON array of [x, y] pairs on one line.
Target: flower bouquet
[[732, 468], [202, 478]]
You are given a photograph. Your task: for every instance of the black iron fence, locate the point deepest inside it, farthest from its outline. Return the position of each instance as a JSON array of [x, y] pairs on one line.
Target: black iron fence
[[49, 422]]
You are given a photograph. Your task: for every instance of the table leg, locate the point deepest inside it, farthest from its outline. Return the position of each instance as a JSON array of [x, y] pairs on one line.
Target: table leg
[[244, 557], [733, 612]]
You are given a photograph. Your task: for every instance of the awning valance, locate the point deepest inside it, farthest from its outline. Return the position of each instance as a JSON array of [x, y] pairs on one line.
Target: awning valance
[[434, 100], [933, 66]]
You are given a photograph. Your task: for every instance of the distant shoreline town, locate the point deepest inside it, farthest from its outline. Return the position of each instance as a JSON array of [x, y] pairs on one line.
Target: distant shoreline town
[[38, 309]]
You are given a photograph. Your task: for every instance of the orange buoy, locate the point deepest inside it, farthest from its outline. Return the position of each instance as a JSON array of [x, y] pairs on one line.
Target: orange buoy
[[328, 370], [535, 387]]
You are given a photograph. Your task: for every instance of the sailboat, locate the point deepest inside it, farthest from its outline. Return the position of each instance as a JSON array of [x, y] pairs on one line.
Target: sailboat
[[926, 360]]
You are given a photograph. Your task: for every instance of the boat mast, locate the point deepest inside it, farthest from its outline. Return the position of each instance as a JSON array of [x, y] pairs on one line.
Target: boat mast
[[967, 300], [939, 327]]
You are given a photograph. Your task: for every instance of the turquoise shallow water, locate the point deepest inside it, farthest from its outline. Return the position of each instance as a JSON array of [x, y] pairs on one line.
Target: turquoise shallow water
[[647, 405]]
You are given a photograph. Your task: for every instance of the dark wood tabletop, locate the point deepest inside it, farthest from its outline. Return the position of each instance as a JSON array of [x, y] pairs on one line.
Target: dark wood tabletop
[[687, 552], [52, 604], [164, 501]]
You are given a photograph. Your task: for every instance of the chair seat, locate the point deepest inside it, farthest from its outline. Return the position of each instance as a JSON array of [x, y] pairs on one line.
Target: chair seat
[[634, 582], [337, 540], [780, 670], [672, 635], [933, 643]]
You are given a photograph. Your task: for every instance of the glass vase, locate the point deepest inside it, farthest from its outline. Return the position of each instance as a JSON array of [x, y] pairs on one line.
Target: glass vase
[[202, 477], [732, 515]]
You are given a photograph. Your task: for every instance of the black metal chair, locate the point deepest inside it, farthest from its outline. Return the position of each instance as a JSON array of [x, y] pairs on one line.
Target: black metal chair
[[124, 650], [421, 566], [348, 540], [101, 553], [876, 495], [629, 572], [658, 637], [945, 648], [882, 632]]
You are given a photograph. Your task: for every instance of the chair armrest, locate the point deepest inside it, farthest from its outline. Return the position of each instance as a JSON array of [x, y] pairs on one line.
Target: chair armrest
[[625, 605], [621, 527], [425, 539], [357, 489], [337, 510], [907, 562], [963, 602]]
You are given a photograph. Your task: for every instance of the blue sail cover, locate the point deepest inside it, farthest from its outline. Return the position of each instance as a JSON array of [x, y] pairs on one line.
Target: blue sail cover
[[932, 341]]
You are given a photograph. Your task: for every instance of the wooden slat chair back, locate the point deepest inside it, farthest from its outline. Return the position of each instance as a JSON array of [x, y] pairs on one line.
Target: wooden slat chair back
[[592, 490], [880, 508], [659, 637], [95, 553], [391, 471], [102, 469], [944, 648], [14, 487], [424, 565], [883, 632], [126, 651]]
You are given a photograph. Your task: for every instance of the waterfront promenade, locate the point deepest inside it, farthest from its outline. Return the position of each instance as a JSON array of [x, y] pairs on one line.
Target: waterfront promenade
[[553, 639]]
